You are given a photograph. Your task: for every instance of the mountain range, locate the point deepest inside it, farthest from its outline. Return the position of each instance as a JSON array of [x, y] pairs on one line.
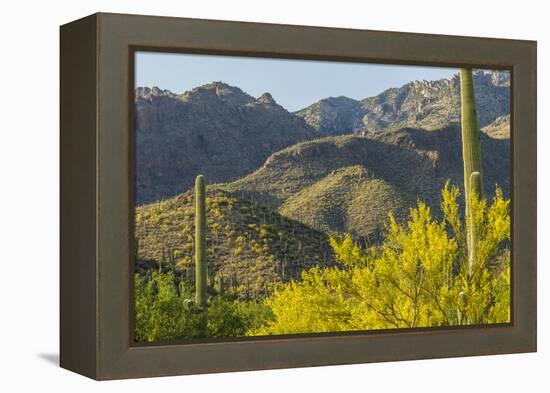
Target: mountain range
[[223, 133], [280, 183], [216, 130], [430, 105]]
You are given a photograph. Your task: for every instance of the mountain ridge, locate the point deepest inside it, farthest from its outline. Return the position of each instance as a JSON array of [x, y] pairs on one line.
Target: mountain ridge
[[222, 132], [421, 104], [386, 172]]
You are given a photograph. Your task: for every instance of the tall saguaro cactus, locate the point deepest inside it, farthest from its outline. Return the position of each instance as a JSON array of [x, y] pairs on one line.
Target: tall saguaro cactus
[[200, 250], [471, 153]]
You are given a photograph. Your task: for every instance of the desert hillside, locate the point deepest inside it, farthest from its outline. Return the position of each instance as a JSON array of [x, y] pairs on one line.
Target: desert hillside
[[351, 183]]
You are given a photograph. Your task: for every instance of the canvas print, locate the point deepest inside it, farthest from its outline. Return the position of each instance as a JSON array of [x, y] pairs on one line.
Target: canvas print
[[283, 197]]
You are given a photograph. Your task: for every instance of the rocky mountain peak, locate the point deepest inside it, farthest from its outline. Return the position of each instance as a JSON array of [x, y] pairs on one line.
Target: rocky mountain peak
[[217, 91], [501, 78], [430, 88], [266, 99], [333, 115], [340, 100], [147, 93], [495, 78]]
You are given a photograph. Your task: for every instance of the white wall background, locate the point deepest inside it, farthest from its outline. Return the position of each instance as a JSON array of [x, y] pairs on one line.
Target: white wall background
[[29, 186]]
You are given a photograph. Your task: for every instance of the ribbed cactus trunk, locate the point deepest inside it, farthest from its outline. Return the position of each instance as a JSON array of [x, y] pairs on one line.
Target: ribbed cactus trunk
[[471, 153], [200, 251], [475, 193]]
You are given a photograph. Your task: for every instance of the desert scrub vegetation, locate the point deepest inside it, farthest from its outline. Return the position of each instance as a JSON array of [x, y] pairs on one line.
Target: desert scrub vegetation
[[165, 310], [249, 247], [418, 276], [347, 200]]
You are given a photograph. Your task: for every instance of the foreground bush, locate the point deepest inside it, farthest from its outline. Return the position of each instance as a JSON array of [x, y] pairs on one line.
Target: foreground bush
[[165, 310], [418, 277]]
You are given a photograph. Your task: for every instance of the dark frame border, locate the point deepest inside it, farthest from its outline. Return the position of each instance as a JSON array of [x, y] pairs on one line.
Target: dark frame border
[[133, 49], [95, 312]]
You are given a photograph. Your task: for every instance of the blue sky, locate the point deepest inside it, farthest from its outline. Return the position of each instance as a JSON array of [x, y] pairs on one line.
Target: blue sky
[[294, 84]]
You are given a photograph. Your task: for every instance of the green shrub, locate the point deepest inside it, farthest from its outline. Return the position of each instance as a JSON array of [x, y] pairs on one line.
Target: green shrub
[[161, 311], [165, 310]]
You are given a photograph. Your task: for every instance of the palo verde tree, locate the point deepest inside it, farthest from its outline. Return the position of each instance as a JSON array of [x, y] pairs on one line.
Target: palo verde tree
[[201, 272], [417, 277], [471, 153]]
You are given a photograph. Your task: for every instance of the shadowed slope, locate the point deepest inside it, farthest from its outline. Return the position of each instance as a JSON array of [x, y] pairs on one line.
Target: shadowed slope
[[351, 183]]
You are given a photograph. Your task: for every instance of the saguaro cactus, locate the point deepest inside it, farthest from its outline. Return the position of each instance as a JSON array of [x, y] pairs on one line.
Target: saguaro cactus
[[200, 251], [200, 242], [471, 153], [475, 193]]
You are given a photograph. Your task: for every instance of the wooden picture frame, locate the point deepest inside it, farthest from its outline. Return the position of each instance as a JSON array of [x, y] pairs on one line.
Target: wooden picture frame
[[97, 205]]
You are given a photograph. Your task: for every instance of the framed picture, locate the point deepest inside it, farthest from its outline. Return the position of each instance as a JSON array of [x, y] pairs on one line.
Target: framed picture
[[242, 196]]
